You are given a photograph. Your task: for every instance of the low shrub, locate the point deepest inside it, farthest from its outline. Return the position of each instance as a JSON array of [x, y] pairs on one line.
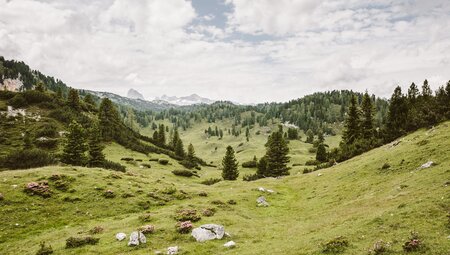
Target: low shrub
[[146, 165], [217, 202], [307, 170], [249, 164], [74, 242], [127, 159], [185, 173], [147, 229], [153, 159], [312, 150], [163, 161], [44, 249], [311, 163], [250, 177], [211, 181], [208, 212], [48, 129], [187, 215], [6, 94], [231, 202], [146, 217], [61, 182], [35, 97], [413, 244], [38, 188], [46, 143], [169, 190], [335, 245], [184, 227], [18, 101], [203, 194], [107, 164], [385, 166], [380, 247], [96, 230], [109, 194], [24, 159], [139, 160]]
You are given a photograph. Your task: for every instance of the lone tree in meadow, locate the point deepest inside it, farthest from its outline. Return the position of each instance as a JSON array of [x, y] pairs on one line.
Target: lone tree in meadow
[[230, 165], [277, 154], [75, 145], [96, 156], [321, 154]]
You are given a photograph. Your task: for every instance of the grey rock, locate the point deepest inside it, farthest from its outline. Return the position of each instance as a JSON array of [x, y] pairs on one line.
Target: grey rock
[[208, 232], [427, 165], [142, 238], [230, 244], [262, 201], [172, 250], [136, 238], [121, 236]]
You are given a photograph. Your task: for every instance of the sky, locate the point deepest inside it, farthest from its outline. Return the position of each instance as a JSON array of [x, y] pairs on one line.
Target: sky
[[247, 51]]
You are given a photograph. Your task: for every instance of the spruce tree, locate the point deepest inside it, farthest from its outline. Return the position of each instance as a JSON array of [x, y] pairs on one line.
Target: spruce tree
[[109, 120], [73, 100], [397, 115], [96, 156], [40, 86], [352, 124], [75, 145], [179, 148], [89, 100], [413, 92], [368, 129], [309, 136], [320, 137], [190, 160], [230, 165], [261, 170], [161, 135], [321, 154], [426, 90], [277, 155], [247, 134], [59, 93]]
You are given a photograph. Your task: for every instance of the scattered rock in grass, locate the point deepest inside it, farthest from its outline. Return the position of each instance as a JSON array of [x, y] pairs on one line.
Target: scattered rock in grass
[[136, 238], [172, 250], [319, 174], [261, 189], [2, 197], [147, 229], [74, 242], [427, 165], [413, 244], [335, 245], [262, 202], [38, 188], [208, 232], [270, 191], [380, 247], [121, 236], [230, 244]]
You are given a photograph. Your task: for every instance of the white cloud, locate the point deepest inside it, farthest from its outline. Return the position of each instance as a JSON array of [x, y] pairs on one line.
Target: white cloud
[[157, 48]]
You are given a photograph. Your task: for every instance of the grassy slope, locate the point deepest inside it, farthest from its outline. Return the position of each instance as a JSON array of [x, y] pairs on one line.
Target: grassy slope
[[355, 199]]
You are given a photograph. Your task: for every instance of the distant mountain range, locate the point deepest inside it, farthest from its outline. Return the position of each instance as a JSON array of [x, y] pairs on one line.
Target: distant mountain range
[[134, 94], [186, 100]]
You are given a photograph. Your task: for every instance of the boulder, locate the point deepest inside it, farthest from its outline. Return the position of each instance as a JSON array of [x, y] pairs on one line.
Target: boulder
[[427, 165], [136, 238], [172, 250], [262, 201], [121, 236], [230, 244], [261, 189], [208, 232]]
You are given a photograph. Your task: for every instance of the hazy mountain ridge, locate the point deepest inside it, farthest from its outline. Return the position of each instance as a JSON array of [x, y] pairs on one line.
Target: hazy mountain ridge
[[186, 100], [134, 94]]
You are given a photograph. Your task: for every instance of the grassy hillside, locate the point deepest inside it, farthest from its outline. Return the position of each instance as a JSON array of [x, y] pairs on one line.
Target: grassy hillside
[[355, 199]]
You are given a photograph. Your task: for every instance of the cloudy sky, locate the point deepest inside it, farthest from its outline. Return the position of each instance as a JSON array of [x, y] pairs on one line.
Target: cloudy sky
[[241, 50]]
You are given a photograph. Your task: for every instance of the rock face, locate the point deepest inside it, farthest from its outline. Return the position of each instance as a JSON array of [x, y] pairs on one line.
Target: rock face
[[172, 250], [134, 94], [230, 244], [262, 201], [136, 238], [208, 232], [121, 236]]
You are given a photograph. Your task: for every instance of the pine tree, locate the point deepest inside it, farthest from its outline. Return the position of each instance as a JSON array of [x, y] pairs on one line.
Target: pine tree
[[352, 124], [397, 115], [89, 100], [368, 129], [321, 154], [309, 136], [75, 146], [230, 165], [261, 170], [179, 148], [40, 86], [109, 120], [190, 160], [59, 93], [320, 137], [277, 155], [73, 100], [413, 92], [247, 134], [161, 135], [426, 90], [96, 156]]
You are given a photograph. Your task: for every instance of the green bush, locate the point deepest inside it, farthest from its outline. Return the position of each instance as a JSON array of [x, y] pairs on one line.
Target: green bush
[[74, 242], [47, 130], [49, 143], [44, 249], [107, 164], [250, 177], [335, 245], [163, 161], [211, 181], [6, 95], [250, 164], [24, 159], [311, 163], [35, 97], [185, 173], [187, 215], [17, 101]]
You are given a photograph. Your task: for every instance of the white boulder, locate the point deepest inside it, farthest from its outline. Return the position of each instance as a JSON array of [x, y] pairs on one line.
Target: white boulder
[[230, 244], [121, 236], [172, 250], [208, 232]]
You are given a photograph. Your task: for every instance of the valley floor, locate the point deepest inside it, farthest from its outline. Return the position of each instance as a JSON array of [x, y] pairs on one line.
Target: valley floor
[[355, 199]]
